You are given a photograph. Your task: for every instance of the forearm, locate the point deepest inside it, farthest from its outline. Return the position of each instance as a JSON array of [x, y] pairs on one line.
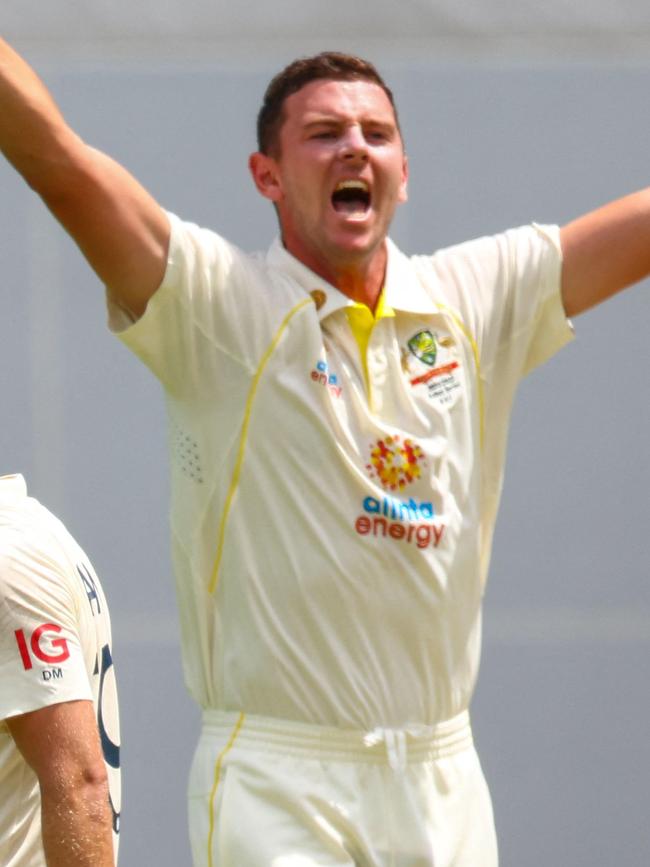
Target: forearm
[[33, 134], [76, 825], [119, 227], [61, 744]]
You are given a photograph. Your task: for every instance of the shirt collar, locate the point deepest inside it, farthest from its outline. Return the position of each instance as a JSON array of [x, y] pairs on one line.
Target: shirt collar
[[402, 289], [12, 489], [327, 297]]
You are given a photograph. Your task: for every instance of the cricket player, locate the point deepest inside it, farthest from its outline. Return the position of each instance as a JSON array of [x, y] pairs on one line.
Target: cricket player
[[59, 729], [338, 419]]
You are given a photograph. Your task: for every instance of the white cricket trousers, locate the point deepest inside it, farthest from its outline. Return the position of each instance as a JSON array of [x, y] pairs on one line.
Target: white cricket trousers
[[273, 793]]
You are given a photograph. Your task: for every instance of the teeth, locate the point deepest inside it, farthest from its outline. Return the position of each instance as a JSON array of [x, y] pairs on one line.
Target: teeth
[[352, 185]]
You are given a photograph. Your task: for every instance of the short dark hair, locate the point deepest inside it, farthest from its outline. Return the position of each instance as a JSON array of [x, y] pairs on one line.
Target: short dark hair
[[332, 65]]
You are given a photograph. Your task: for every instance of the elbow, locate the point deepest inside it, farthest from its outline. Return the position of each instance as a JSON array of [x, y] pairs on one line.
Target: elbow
[[76, 816], [94, 775], [86, 783], [92, 784]]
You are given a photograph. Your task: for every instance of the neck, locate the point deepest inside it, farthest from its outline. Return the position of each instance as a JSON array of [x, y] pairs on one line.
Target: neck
[[361, 279]]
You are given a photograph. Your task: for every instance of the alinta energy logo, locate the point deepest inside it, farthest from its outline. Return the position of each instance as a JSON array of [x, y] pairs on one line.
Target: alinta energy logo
[[397, 463]]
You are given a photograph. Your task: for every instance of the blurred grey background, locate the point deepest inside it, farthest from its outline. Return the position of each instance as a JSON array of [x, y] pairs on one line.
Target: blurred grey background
[[512, 112]]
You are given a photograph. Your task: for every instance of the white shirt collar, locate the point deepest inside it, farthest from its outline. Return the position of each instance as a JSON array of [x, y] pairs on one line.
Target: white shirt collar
[[12, 489], [327, 297], [403, 289]]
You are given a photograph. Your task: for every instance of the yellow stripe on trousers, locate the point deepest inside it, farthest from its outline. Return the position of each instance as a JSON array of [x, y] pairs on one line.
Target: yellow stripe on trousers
[[217, 776]]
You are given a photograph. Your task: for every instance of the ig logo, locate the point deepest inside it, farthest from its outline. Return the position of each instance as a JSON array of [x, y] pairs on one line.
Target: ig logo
[[42, 646]]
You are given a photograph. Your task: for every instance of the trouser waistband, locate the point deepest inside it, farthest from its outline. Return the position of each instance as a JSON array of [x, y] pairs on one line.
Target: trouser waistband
[[398, 746]]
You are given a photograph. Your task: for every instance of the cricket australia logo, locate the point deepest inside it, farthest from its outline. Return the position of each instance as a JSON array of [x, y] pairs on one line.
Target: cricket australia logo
[[423, 346], [430, 359]]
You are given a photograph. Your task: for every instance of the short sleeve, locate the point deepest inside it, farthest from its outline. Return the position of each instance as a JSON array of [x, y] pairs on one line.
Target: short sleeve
[[215, 303], [41, 658], [507, 289], [550, 329]]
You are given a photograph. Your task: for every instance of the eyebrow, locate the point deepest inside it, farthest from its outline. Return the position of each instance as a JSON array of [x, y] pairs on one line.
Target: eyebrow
[[324, 120], [330, 120]]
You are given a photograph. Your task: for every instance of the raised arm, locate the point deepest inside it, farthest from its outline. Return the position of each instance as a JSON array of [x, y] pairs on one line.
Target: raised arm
[[61, 744], [119, 227], [604, 251]]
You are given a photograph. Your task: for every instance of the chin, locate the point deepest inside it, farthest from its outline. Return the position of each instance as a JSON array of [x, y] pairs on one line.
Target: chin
[[359, 245]]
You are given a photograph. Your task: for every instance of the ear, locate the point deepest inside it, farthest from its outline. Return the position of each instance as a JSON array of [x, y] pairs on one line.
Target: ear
[[266, 176], [403, 190]]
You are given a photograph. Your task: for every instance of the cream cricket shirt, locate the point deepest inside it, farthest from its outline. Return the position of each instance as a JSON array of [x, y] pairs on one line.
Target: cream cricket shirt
[[331, 534], [55, 646]]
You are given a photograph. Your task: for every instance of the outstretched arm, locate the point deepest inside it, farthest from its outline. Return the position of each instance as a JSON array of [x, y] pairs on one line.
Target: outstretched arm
[[604, 251], [119, 227], [61, 744]]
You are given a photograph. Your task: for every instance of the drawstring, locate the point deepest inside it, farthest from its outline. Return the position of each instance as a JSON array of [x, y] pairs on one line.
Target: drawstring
[[395, 741]]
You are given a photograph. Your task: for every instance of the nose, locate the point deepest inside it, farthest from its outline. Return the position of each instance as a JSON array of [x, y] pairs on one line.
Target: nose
[[353, 145]]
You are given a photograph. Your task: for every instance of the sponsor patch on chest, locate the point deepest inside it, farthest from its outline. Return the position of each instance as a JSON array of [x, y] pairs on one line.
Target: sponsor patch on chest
[[397, 464], [431, 363], [323, 376]]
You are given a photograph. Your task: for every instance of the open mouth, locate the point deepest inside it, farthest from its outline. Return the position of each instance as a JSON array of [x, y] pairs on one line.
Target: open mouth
[[352, 198]]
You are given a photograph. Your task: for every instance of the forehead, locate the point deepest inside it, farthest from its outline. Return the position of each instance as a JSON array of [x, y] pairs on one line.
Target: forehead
[[344, 100]]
